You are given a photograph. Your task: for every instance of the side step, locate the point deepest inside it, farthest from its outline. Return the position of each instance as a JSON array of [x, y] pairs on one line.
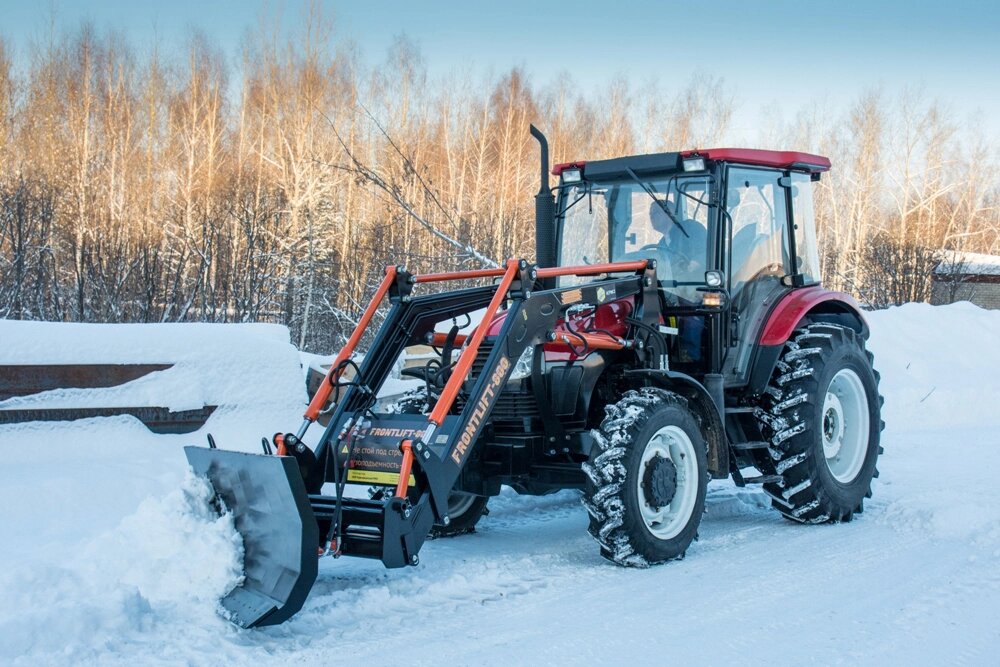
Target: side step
[[753, 444], [763, 479]]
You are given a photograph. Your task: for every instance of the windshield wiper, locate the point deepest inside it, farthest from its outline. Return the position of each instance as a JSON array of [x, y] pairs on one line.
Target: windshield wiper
[[662, 204]]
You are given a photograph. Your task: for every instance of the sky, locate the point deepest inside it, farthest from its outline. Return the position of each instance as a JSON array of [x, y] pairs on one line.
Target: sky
[[777, 56]]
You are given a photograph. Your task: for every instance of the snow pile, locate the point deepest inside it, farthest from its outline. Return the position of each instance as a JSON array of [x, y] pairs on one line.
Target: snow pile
[[940, 365], [169, 562], [213, 364], [940, 370]]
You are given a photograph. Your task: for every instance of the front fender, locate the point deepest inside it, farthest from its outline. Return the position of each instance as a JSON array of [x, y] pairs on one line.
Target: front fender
[[703, 406]]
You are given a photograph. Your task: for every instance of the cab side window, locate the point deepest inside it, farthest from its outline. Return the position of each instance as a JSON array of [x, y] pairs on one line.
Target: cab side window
[[756, 204], [804, 217]]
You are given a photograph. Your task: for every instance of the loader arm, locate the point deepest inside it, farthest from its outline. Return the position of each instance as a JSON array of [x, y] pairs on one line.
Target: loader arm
[[422, 457]]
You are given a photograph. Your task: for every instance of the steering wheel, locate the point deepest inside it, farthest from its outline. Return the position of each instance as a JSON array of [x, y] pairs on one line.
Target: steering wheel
[[680, 256]]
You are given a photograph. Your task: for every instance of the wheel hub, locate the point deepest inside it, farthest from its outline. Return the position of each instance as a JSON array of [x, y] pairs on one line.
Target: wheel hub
[[845, 426], [659, 481], [833, 426]]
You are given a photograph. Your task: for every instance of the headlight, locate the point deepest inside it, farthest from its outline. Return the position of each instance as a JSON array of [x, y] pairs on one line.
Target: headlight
[[714, 278], [522, 368]]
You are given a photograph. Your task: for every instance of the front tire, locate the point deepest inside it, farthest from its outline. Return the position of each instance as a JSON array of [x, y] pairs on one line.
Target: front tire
[[646, 486], [821, 415], [464, 512]]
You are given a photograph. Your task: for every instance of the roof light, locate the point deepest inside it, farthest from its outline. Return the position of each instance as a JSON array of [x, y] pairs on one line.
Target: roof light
[[694, 164], [571, 175], [714, 278]]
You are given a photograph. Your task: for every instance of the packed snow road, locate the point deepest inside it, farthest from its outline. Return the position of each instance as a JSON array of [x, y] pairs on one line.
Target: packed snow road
[[110, 556]]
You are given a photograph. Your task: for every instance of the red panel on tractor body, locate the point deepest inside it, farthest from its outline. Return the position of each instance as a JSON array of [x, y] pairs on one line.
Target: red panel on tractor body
[[609, 317], [560, 168], [793, 307]]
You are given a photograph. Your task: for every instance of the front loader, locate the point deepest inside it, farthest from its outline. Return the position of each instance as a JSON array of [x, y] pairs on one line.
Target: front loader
[[672, 331]]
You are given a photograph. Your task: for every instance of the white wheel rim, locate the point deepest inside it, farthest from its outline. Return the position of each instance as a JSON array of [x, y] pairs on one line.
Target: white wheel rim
[[670, 442], [845, 426]]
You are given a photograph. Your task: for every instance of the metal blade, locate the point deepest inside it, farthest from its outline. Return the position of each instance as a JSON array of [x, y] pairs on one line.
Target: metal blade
[[271, 511]]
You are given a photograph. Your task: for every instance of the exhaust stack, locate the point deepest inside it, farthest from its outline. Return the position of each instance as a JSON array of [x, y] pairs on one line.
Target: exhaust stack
[[545, 225]]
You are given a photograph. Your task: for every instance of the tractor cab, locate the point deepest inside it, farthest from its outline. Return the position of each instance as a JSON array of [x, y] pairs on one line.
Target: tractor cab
[[722, 225]]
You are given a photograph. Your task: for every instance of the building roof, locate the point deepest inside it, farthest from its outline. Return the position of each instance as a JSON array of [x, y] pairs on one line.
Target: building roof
[[968, 264]]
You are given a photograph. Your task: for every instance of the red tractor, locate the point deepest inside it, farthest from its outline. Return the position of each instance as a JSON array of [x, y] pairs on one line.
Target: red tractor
[[672, 330]]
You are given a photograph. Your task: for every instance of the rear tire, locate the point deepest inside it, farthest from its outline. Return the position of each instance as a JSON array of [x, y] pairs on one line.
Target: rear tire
[[821, 415], [646, 486]]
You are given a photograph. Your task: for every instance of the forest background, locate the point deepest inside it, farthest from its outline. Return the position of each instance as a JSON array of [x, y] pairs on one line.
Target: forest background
[[177, 186]]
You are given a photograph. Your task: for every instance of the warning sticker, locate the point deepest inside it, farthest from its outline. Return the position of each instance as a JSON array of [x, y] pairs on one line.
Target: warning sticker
[[375, 454], [377, 478]]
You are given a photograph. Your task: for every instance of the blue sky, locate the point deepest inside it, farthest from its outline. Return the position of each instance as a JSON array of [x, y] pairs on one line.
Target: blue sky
[[792, 52]]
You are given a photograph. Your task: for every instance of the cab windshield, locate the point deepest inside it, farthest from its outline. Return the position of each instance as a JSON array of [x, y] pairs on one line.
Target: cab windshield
[[663, 218]]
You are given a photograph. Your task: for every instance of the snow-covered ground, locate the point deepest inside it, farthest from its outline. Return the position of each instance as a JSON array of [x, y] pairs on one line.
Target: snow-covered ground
[[110, 557]]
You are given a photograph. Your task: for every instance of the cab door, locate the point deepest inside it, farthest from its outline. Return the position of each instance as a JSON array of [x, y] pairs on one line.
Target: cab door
[[758, 259]]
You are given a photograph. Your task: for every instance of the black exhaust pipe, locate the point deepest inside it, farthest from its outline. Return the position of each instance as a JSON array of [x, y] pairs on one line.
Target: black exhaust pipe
[[545, 207]]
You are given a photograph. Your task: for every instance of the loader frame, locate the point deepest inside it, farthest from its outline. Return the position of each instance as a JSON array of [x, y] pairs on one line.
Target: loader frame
[[391, 526], [437, 453]]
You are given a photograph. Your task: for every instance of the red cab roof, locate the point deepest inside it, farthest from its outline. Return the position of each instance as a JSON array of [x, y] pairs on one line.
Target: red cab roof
[[751, 156], [762, 158]]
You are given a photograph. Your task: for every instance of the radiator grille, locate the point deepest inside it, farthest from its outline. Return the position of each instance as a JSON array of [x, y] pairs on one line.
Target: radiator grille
[[511, 407]]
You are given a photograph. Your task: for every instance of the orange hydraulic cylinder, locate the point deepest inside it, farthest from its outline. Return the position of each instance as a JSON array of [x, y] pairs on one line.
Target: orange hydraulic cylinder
[[405, 467], [323, 393], [461, 370], [437, 339], [459, 275], [591, 269], [593, 341]]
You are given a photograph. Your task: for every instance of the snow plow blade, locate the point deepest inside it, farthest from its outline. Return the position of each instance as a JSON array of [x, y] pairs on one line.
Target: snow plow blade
[[272, 514]]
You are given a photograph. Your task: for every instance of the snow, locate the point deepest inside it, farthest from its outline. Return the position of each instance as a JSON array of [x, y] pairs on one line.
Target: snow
[[112, 556], [968, 264]]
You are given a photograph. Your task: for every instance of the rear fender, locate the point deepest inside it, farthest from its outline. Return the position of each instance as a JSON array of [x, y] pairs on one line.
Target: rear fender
[[815, 304]]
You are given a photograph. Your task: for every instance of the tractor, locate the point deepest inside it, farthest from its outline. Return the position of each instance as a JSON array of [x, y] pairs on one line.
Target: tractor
[[671, 331]]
